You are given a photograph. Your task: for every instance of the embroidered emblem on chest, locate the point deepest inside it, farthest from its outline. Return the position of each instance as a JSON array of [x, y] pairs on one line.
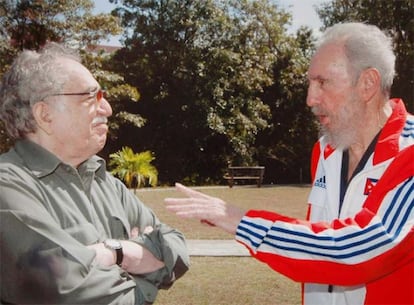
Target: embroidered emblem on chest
[[369, 184]]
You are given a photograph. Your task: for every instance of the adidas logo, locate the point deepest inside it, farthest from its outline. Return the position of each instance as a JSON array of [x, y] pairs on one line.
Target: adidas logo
[[321, 182]]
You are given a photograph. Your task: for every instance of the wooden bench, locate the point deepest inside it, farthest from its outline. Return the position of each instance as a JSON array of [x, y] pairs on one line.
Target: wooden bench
[[245, 173]]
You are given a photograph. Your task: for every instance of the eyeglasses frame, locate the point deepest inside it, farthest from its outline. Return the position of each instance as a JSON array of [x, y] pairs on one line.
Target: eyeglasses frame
[[93, 94]]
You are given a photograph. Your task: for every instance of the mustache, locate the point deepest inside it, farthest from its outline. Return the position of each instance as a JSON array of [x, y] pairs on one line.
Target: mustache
[[317, 111], [99, 120]]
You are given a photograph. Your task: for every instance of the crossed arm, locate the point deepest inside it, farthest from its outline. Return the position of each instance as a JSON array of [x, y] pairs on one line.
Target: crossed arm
[[137, 259]]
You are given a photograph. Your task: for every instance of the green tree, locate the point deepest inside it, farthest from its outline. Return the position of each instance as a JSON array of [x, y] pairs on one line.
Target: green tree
[[285, 147], [201, 67], [28, 24], [395, 17], [135, 169]]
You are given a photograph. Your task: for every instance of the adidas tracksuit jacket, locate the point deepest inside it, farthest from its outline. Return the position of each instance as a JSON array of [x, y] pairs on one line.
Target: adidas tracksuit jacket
[[364, 256]]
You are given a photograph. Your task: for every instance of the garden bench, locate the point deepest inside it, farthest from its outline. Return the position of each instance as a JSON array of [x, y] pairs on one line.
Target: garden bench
[[244, 173]]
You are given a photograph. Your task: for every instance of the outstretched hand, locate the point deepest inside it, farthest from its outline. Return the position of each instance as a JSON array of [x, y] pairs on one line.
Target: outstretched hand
[[207, 209]]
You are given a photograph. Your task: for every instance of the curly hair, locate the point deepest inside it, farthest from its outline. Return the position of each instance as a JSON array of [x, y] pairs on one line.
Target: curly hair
[[32, 77], [366, 46]]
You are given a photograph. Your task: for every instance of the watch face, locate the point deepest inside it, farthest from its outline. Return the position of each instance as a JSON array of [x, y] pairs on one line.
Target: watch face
[[113, 244]]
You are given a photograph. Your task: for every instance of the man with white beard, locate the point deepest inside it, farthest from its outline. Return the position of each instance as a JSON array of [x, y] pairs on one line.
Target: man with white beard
[[357, 245]]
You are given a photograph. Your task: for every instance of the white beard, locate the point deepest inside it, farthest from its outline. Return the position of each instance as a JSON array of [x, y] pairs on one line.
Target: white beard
[[345, 124]]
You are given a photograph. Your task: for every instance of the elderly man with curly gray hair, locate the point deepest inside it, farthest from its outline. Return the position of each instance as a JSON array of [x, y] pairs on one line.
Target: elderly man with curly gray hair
[[70, 232]]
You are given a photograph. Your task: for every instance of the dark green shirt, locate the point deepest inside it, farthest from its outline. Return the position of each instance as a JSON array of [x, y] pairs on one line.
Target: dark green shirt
[[50, 212]]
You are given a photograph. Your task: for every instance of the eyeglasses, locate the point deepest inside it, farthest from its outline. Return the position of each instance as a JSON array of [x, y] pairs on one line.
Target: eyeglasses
[[98, 95]]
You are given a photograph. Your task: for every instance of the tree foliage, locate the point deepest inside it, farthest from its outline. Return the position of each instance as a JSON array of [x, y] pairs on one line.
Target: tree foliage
[[218, 81], [28, 24], [285, 147], [203, 68], [395, 17]]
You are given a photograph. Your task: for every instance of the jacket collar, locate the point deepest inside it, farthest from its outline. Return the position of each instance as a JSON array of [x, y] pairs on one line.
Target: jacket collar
[[388, 142]]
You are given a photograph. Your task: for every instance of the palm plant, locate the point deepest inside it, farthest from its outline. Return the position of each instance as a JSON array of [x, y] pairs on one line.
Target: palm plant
[[135, 169]]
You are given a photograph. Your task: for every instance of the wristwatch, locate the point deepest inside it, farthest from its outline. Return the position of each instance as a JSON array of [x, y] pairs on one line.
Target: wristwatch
[[115, 244]]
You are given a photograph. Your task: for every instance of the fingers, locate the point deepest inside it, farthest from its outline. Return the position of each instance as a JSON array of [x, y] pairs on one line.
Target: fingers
[[182, 206], [190, 192], [209, 210], [189, 207], [197, 205], [148, 230], [180, 201], [135, 231]]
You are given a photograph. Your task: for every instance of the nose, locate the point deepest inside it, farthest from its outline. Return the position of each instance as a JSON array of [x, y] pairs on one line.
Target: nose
[[104, 108], [312, 98]]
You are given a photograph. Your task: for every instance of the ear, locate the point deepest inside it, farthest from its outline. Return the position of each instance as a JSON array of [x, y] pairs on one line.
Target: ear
[[369, 83], [42, 113]]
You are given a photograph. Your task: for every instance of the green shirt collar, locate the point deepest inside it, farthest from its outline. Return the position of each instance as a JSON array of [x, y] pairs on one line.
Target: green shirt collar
[[42, 162]]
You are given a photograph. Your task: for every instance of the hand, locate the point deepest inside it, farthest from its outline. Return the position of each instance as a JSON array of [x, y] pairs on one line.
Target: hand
[[135, 231], [137, 259], [104, 256], [206, 208]]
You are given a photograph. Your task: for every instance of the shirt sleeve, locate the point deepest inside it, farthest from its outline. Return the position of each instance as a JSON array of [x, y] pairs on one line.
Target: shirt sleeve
[[41, 263], [375, 242], [165, 243]]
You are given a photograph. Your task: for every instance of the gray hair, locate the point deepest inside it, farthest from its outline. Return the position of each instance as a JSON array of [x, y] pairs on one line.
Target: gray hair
[[32, 77], [366, 46]]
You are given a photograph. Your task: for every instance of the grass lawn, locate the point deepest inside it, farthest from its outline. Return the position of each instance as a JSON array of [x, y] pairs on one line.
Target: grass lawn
[[230, 280]]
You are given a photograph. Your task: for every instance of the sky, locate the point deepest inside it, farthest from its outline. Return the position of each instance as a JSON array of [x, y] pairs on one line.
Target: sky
[[303, 13]]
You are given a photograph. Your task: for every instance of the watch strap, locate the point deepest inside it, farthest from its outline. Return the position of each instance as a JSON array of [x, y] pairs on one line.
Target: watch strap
[[115, 245], [119, 256]]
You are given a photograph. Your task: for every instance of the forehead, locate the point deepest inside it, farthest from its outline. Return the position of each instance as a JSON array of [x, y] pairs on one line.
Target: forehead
[[329, 61], [77, 75]]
